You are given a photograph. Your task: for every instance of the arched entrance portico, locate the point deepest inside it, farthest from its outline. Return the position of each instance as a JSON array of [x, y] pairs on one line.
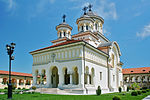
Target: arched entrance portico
[[54, 77]]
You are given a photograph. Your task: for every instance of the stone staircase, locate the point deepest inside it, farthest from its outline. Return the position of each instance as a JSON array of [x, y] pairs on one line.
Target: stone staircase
[[51, 91], [57, 91]]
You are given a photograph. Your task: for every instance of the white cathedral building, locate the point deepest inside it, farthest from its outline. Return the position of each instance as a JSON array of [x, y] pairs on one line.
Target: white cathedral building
[[79, 63]]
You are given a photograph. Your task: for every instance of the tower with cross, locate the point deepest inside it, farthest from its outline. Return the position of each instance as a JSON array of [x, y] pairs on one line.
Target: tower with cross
[[64, 18], [64, 29]]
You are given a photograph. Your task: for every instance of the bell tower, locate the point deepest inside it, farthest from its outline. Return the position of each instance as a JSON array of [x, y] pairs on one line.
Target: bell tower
[[64, 29]]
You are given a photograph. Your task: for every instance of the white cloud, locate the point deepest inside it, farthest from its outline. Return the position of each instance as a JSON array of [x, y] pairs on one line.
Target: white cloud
[[10, 5], [104, 8], [144, 33], [106, 32]]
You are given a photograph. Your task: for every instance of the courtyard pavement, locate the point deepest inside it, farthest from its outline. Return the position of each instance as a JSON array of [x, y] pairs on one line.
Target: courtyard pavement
[[147, 98]]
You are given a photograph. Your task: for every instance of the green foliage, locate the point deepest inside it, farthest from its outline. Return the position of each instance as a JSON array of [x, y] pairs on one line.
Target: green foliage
[[135, 86], [98, 91], [144, 88], [128, 89], [5, 92], [134, 93], [116, 97], [19, 88], [13, 87], [139, 92], [17, 92], [143, 91], [25, 93], [120, 89], [23, 88], [147, 90], [34, 87]]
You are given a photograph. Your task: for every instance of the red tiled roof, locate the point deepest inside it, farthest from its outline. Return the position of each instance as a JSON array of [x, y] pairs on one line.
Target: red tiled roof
[[59, 44], [136, 70], [15, 73]]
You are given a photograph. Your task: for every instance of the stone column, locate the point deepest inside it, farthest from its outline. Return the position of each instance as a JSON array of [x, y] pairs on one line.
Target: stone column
[[84, 27], [88, 79], [70, 73], [34, 79], [60, 73], [48, 78], [71, 79]]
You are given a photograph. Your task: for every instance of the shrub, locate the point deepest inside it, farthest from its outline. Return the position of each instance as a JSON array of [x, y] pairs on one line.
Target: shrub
[[147, 90], [23, 88], [19, 88], [25, 93], [135, 86], [144, 88], [127, 89], [139, 92], [143, 91], [17, 92], [5, 92], [34, 87], [116, 97], [13, 87], [120, 89], [134, 93], [98, 91], [6, 88]]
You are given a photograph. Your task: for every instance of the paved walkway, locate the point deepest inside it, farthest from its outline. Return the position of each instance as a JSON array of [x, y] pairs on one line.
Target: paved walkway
[[147, 98]]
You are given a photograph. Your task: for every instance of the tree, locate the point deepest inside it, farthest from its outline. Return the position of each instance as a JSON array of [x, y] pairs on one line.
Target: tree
[[135, 86]]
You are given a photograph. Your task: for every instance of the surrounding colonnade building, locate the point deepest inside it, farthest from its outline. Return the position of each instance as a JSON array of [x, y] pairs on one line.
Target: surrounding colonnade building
[[81, 62], [137, 75]]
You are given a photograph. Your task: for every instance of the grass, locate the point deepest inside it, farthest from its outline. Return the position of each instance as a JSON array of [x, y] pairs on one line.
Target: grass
[[109, 96]]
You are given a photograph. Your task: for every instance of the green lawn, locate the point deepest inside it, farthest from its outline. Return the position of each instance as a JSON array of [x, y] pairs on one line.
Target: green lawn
[[38, 96]]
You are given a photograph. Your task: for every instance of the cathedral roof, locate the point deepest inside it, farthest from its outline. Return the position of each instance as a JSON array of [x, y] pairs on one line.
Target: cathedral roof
[[64, 24], [106, 44], [63, 43], [15, 73], [136, 70]]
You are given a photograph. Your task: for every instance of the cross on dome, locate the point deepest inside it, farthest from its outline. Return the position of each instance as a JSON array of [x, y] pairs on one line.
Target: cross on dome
[[84, 9], [64, 17], [90, 6]]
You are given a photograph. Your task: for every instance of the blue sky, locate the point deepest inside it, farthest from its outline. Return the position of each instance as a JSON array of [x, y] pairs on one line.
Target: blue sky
[[31, 25]]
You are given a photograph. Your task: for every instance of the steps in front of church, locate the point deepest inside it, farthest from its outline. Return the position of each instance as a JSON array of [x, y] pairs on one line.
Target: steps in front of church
[[58, 91]]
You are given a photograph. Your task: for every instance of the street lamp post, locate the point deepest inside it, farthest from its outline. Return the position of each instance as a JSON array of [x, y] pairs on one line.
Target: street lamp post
[[10, 50]]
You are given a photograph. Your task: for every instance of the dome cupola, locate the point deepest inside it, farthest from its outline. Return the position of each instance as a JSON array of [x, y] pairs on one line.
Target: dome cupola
[[90, 21], [64, 29]]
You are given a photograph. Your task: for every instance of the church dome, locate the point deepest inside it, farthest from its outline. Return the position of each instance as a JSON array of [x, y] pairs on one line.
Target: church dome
[[90, 21], [64, 29]]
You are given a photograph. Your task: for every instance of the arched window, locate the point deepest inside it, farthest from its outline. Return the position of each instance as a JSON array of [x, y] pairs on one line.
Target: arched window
[[96, 26], [113, 60], [86, 27], [64, 33], [60, 35], [82, 28]]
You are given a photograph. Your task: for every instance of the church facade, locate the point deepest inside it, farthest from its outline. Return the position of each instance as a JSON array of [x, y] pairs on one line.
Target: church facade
[[81, 62]]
